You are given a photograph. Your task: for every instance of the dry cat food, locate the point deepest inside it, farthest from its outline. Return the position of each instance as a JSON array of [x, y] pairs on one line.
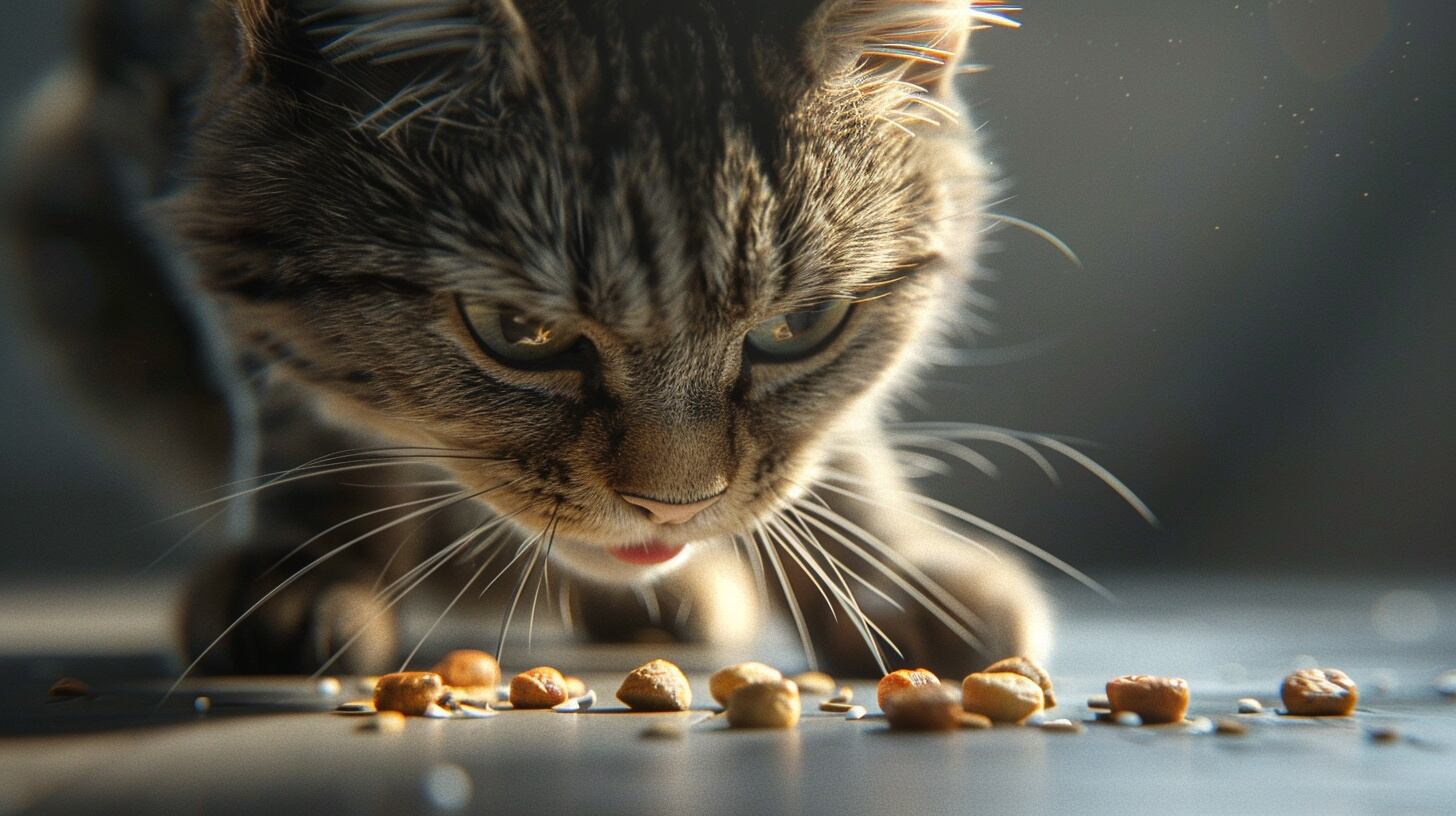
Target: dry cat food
[[541, 687], [1155, 699], [575, 687], [470, 674], [1230, 727], [771, 704], [815, 682], [70, 687], [1028, 668], [408, 692], [1248, 705], [1003, 697], [656, 686], [902, 679], [931, 707], [726, 681], [835, 706], [1319, 693]]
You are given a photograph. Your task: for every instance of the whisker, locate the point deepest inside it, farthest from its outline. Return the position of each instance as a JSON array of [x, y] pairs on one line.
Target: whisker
[[453, 601], [793, 602], [301, 547], [541, 579], [535, 545]]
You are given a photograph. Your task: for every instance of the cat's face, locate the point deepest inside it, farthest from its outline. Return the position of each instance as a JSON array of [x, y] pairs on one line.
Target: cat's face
[[636, 276]]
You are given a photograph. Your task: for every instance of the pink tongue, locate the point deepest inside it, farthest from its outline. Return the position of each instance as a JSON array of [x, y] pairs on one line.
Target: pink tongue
[[651, 552]]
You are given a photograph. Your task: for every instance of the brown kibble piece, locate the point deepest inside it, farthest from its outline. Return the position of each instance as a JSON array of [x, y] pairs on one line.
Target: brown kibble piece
[[1028, 668], [656, 686], [902, 679], [772, 704], [1228, 726], [68, 687], [1004, 697], [814, 682], [1319, 693], [470, 673], [408, 692], [1156, 700], [835, 707], [541, 687], [575, 687], [923, 708], [726, 681]]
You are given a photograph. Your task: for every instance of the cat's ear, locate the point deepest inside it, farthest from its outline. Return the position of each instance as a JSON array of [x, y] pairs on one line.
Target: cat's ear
[[921, 43]]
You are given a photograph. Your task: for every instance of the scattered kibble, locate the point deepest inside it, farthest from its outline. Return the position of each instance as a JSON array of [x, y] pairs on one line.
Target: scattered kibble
[[923, 708], [773, 704], [656, 686], [1445, 683], [1156, 700], [902, 679], [1248, 705], [1319, 693], [541, 687], [1099, 703], [1004, 697], [1228, 726], [1028, 668], [834, 707], [329, 687], [815, 682], [1383, 736], [1063, 726], [858, 712], [845, 695], [408, 692], [70, 687], [471, 674], [726, 681], [385, 722]]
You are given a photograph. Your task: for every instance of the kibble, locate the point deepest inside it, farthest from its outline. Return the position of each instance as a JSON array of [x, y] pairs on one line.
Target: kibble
[[815, 682], [68, 687], [1155, 699], [385, 722], [541, 687], [575, 686], [773, 704], [923, 708], [471, 674], [1383, 736], [1248, 705], [726, 681], [1028, 668], [408, 692], [1004, 697], [1230, 727], [902, 679], [656, 686], [834, 707], [1319, 693], [1200, 726]]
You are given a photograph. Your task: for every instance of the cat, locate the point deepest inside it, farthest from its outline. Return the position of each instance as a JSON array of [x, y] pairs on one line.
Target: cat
[[646, 280]]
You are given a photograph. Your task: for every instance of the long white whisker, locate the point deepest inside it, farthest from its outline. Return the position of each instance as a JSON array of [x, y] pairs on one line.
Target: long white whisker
[[453, 601], [793, 602], [402, 505]]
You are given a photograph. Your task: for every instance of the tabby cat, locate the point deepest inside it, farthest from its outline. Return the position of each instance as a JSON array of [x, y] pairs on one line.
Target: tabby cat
[[644, 278]]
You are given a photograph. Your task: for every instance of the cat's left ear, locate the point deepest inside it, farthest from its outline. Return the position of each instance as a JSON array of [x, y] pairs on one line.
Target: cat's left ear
[[922, 43]]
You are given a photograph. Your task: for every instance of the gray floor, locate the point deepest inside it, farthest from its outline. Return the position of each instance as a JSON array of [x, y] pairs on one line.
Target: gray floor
[[272, 746]]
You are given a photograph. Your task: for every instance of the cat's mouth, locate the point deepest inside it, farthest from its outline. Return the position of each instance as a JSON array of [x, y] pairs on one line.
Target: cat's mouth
[[647, 553]]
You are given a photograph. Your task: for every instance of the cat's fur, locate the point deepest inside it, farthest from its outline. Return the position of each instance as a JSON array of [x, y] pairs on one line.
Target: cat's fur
[[668, 174]]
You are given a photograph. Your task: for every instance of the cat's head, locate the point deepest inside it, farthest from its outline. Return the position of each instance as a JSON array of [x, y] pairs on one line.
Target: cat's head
[[635, 261]]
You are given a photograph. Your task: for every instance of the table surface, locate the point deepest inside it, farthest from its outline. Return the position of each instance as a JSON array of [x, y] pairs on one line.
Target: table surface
[[272, 745]]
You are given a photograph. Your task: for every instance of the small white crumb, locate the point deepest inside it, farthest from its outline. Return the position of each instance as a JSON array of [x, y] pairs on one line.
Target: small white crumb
[[1127, 718], [1036, 720], [1446, 683], [465, 711], [435, 712], [856, 713], [1062, 726], [1248, 705], [1200, 725]]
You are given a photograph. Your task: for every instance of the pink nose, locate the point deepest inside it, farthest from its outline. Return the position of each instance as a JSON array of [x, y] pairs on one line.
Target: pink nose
[[661, 512]]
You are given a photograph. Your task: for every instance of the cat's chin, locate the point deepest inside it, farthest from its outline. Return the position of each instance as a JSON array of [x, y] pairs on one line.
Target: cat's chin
[[622, 564]]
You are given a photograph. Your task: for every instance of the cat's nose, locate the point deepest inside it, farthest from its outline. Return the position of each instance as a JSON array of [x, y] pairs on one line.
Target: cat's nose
[[661, 512]]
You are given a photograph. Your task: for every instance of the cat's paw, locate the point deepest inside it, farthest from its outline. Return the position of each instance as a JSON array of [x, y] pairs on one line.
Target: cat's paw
[[1011, 616], [295, 632]]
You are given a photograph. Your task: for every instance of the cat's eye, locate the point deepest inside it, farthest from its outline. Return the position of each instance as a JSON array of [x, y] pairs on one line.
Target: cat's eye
[[797, 335], [516, 338]]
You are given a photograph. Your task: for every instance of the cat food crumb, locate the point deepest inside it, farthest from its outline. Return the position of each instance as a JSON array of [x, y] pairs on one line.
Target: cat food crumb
[[834, 707], [845, 695], [576, 687], [68, 687], [1319, 693], [202, 705], [1155, 699], [574, 704], [541, 687], [1200, 725], [1446, 683], [858, 712], [815, 682], [1004, 697], [435, 711], [923, 708], [1228, 726], [408, 692], [902, 679], [1127, 719], [656, 686], [1028, 668], [726, 681], [773, 704], [1383, 736], [470, 673], [1099, 703], [465, 711], [664, 731], [385, 722], [1248, 705], [1063, 726], [329, 687]]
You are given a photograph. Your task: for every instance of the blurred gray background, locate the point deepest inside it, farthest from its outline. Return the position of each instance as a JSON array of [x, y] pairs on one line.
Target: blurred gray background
[[1261, 342]]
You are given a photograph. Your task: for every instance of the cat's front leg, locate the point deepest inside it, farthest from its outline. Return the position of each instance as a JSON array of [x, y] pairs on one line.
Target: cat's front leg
[[958, 604]]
